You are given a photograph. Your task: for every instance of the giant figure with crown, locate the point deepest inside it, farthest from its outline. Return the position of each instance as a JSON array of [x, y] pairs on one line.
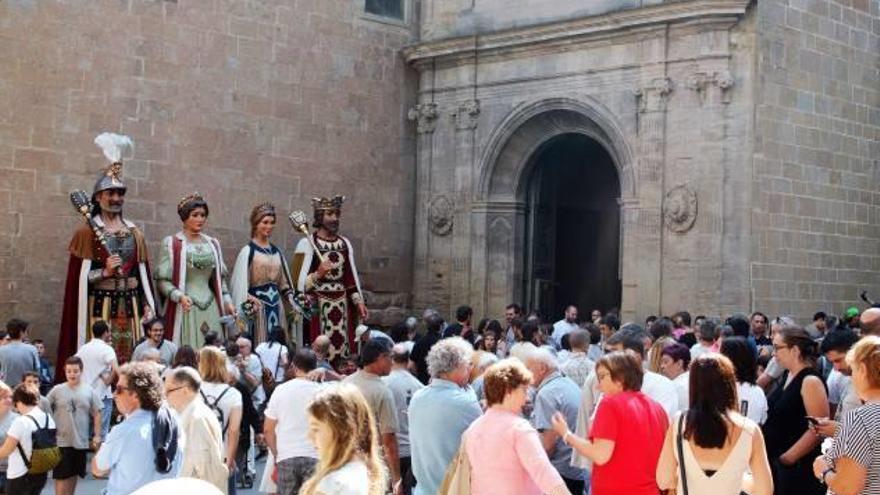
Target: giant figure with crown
[[332, 285], [108, 274]]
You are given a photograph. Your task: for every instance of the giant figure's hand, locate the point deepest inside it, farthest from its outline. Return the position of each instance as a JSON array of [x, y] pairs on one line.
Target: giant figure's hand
[[323, 268], [364, 312], [111, 265], [186, 303]]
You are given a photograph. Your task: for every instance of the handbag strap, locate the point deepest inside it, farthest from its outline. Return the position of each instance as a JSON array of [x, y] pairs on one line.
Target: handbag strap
[[678, 439]]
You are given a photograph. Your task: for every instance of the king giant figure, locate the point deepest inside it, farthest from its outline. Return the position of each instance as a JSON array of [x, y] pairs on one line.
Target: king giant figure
[[108, 276], [332, 286]]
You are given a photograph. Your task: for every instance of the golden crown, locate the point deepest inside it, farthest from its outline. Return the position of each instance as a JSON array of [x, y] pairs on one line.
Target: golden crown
[[334, 203], [189, 199]]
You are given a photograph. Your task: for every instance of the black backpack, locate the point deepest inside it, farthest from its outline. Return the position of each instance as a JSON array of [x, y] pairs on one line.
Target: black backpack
[[45, 454], [214, 407]]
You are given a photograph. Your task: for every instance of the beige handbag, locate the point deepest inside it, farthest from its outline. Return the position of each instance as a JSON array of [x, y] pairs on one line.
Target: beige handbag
[[457, 480]]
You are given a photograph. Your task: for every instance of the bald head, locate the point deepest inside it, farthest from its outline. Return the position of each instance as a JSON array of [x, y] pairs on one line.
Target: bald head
[[321, 346], [870, 322]]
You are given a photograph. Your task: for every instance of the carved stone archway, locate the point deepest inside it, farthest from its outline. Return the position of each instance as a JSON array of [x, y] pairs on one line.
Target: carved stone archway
[[499, 210]]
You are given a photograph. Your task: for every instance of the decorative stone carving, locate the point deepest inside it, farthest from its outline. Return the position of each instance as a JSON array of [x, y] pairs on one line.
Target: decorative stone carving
[[724, 81], [653, 96], [440, 215], [700, 81], [425, 116], [680, 208], [466, 114]]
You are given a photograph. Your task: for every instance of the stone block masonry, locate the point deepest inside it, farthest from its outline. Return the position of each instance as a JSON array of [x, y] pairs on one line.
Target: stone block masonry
[[243, 100]]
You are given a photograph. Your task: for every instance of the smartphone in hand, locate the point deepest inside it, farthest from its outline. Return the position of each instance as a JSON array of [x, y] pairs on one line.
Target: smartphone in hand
[[813, 421]]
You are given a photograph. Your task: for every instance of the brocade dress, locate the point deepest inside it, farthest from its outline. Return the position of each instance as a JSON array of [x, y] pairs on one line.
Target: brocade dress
[[201, 277]]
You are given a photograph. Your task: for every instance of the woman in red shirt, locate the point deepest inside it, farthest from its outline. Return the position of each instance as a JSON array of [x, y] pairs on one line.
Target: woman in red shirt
[[627, 433]]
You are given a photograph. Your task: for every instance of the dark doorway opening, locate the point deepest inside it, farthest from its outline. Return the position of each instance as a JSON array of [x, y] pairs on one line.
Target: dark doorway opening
[[573, 228]]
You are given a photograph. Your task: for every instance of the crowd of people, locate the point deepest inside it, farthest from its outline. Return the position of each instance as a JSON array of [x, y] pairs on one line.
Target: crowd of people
[[518, 406]]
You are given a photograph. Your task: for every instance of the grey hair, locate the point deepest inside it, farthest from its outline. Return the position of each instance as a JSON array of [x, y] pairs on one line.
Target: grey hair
[[447, 355], [187, 376], [543, 356], [486, 359]]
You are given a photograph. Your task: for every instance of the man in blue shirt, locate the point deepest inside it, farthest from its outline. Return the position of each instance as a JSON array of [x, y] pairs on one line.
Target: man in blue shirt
[[128, 455], [441, 412], [555, 392]]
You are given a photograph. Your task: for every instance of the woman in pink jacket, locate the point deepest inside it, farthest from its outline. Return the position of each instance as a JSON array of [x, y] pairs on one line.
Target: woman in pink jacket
[[504, 450]]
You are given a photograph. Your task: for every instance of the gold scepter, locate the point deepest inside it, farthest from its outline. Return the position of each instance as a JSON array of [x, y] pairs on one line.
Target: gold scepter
[[300, 223], [83, 205]]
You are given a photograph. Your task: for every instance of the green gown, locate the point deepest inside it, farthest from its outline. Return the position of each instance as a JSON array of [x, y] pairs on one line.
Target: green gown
[[204, 315]]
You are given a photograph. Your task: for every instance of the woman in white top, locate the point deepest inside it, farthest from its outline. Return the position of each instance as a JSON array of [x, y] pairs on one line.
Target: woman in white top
[[752, 401], [19, 441], [274, 353], [344, 431], [718, 444], [223, 399]]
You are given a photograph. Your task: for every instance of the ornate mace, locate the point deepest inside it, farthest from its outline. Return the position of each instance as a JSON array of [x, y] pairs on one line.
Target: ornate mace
[[300, 223], [82, 204]]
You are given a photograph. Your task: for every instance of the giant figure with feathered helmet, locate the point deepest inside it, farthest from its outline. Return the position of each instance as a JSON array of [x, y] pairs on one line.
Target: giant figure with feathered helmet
[[108, 275]]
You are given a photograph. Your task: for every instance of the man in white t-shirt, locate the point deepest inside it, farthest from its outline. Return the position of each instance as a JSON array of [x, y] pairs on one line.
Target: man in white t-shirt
[[99, 367], [287, 426], [564, 326], [26, 400]]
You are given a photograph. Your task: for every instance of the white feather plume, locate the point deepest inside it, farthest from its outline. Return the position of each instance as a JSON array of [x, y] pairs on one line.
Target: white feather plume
[[113, 145]]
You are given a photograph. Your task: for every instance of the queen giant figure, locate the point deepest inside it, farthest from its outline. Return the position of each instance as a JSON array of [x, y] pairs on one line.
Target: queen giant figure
[[261, 277], [192, 277]]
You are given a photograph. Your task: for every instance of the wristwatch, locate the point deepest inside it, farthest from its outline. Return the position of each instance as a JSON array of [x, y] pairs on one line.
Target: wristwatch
[[825, 473]]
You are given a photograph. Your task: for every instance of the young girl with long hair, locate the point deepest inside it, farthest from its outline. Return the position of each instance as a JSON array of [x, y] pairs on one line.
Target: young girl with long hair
[[344, 432]]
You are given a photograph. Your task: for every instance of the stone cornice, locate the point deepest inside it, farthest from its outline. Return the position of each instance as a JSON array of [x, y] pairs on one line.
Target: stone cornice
[[584, 29]]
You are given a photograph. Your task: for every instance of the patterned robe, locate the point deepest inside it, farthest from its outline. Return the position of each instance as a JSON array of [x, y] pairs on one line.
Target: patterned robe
[[335, 297]]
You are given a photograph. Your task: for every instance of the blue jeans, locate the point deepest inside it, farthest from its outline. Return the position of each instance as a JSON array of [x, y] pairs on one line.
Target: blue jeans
[[106, 413], [233, 482]]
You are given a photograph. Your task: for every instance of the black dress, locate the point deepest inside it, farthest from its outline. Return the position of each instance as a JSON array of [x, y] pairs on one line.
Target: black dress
[[786, 423]]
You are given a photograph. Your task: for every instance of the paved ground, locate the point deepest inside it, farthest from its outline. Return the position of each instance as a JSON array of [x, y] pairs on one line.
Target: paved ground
[[91, 486]]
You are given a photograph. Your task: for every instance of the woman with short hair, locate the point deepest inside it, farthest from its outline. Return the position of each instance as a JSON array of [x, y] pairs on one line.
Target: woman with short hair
[[624, 452], [344, 432], [503, 444], [852, 465], [791, 444], [718, 444]]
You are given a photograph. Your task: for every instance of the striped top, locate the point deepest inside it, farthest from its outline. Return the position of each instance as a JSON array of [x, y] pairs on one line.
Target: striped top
[[859, 439]]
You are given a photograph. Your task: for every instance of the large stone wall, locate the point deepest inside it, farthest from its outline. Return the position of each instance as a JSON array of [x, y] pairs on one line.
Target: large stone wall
[[243, 100], [816, 211]]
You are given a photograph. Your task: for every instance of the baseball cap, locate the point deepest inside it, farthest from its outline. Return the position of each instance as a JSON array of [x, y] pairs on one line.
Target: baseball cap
[[852, 311], [360, 331]]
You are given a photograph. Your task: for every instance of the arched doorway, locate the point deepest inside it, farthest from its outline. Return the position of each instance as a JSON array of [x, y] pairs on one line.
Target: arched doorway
[[513, 160], [572, 234]]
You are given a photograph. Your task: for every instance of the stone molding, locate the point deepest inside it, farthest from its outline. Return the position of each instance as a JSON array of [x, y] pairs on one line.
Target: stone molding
[[700, 82], [654, 96], [578, 30], [466, 114], [425, 115]]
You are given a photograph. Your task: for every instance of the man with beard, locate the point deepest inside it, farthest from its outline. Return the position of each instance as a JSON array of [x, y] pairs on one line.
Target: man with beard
[[333, 285], [106, 282]]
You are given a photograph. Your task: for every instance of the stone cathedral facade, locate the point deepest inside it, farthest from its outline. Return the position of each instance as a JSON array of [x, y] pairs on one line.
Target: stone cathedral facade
[[648, 155]]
